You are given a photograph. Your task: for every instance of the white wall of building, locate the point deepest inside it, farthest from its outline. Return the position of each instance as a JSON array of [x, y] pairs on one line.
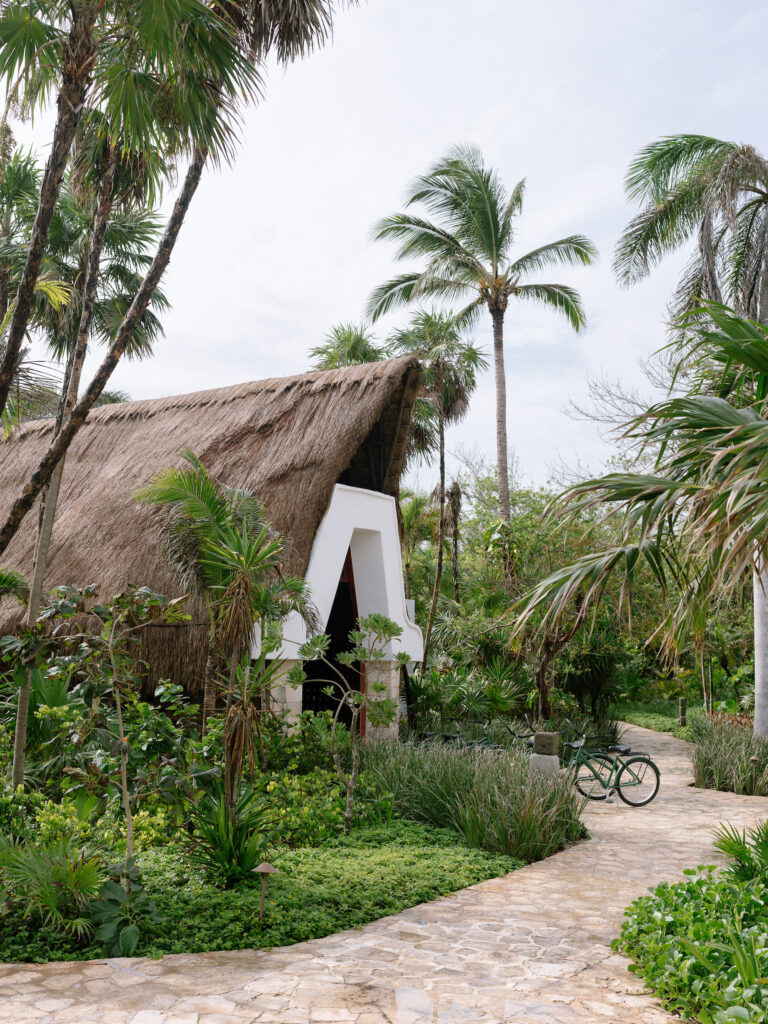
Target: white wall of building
[[364, 523]]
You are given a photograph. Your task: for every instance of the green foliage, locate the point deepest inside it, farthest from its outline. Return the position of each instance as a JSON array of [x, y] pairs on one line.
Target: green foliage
[[491, 798], [18, 812], [54, 883], [747, 849], [721, 758], [122, 910], [316, 892], [230, 845], [659, 715], [702, 946]]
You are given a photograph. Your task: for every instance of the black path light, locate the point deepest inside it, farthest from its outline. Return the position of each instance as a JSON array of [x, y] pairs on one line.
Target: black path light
[[263, 869]]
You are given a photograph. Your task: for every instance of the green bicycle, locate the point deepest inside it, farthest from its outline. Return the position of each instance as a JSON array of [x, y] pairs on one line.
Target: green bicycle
[[598, 775]]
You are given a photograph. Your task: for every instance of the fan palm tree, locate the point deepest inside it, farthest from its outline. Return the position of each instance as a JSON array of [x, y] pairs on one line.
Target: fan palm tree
[[449, 376], [700, 522], [467, 251], [348, 345], [419, 519]]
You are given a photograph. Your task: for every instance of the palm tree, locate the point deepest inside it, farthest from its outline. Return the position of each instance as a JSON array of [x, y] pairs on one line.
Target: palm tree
[[467, 249], [203, 69], [449, 376], [716, 191], [699, 522], [182, 85], [419, 519], [348, 345]]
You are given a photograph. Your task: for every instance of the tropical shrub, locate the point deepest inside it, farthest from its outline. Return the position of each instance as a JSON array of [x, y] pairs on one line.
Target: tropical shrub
[[702, 946], [230, 845], [492, 798], [122, 910], [55, 883], [723, 752]]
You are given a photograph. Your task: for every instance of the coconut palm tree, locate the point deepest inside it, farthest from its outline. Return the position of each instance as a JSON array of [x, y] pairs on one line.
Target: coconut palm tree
[[348, 345], [467, 251], [449, 376], [694, 186], [716, 191], [700, 522]]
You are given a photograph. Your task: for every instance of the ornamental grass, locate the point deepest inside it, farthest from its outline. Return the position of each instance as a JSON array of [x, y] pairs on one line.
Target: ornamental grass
[[491, 797]]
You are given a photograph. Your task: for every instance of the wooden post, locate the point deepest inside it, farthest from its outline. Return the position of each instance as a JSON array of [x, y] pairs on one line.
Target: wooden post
[[683, 708]]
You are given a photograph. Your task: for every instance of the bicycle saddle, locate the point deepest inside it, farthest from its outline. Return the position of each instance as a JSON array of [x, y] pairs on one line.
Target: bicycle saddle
[[619, 748], [576, 745]]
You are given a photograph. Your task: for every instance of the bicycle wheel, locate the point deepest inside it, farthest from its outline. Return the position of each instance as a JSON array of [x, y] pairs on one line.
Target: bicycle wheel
[[638, 781], [593, 776]]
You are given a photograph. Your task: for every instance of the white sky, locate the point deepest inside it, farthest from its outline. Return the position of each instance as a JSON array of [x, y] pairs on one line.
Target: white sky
[[278, 248]]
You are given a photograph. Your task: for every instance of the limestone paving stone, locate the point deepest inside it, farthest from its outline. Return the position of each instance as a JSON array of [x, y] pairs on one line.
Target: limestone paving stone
[[531, 948]]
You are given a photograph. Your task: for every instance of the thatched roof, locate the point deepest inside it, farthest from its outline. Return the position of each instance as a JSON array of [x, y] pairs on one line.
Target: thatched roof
[[289, 440]]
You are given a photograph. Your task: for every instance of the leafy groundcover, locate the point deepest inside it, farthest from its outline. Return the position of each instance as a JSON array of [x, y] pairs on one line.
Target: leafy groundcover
[[317, 891], [702, 946]]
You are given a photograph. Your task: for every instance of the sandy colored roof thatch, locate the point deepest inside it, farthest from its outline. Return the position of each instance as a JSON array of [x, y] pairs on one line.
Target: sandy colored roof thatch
[[289, 440]]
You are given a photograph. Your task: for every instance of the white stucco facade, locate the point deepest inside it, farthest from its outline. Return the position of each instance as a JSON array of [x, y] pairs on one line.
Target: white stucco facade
[[365, 524]]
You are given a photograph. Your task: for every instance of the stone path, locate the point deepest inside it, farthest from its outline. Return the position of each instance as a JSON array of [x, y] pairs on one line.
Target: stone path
[[531, 948]]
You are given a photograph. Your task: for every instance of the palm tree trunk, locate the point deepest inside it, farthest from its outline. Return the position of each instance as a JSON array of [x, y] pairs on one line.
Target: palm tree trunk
[[440, 542], [210, 687], [138, 307], [50, 496], [502, 460], [454, 499], [77, 61], [760, 600]]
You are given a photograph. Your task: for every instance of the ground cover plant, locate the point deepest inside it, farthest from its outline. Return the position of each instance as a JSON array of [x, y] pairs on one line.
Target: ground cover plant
[[702, 944], [346, 883], [659, 714]]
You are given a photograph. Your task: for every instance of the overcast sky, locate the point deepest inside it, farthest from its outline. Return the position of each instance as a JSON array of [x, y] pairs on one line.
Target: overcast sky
[[278, 248]]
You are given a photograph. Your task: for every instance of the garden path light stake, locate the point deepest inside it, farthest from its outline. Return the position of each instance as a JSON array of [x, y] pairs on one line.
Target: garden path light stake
[[263, 869]]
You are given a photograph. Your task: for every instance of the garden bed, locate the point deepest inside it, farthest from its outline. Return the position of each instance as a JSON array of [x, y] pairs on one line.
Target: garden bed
[[317, 891]]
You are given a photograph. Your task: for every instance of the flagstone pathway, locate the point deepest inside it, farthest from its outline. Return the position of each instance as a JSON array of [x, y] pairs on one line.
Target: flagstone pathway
[[531, 948]]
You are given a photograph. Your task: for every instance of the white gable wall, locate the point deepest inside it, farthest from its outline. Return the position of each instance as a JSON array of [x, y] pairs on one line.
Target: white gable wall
[[364, 523]]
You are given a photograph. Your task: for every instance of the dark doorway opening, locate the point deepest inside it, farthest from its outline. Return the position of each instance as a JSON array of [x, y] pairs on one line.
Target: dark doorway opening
[[341, 621]]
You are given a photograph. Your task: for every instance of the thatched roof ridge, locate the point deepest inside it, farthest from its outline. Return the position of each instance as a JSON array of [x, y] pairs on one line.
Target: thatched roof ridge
[[288, 439]]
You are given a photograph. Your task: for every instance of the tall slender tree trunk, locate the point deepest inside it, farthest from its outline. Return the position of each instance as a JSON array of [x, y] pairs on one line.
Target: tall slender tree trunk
[[77, 62], [760, 600], [440, 543], [51, 494], [60, 444], [454, 501], [502, 458]]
